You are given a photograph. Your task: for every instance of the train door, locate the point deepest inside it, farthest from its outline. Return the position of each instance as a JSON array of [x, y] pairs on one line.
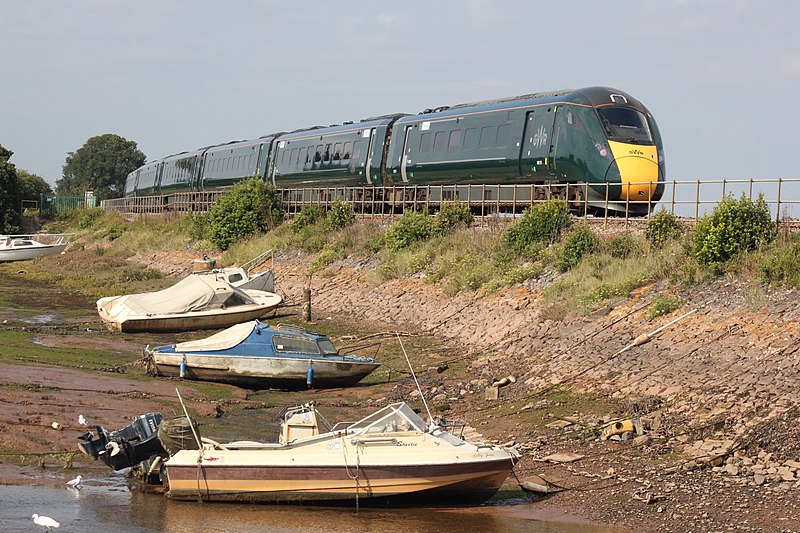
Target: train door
[[405, 159], [370, 147], [537, 146]]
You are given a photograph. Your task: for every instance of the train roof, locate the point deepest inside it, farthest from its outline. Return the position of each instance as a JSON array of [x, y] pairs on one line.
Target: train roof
[[593, 96], [341, 128]]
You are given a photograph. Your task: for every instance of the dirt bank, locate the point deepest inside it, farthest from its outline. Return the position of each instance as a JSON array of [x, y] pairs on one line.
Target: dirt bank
[[714, 395]]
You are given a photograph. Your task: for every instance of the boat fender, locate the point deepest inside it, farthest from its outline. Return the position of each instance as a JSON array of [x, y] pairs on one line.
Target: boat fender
[[182, 372], [310, 376]]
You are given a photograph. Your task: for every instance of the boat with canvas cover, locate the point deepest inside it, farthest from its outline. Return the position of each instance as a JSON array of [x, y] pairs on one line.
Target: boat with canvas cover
[[256, 355], [195, 302], [390, 457], [24, 247]]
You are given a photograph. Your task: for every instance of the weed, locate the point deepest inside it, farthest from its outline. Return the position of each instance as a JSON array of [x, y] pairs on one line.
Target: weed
[[663, 304]]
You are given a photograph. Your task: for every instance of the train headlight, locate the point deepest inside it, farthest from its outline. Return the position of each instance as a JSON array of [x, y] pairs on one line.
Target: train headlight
[[603, 150]]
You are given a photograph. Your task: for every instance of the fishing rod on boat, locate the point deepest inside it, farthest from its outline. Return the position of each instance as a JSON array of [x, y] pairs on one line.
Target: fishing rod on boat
[[430, 417]]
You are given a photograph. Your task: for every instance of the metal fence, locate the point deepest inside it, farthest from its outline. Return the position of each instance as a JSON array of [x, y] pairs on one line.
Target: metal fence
[[689, 199], [53, 205]]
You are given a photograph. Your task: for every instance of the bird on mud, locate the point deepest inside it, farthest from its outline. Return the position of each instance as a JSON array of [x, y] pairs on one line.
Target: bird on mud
[[45, 521], [75, 483], [81, 420]]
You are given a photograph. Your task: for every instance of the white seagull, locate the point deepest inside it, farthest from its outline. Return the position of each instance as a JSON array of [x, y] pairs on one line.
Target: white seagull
[[81, 420], [75, 483], [45, 521]]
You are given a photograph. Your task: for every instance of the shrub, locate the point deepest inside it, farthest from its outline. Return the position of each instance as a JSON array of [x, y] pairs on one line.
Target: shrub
[[663, 304], [87, 217], [662, 228], [340, 215], [307, 216], [541, 223], [577, 243], [623, 247], [734, 226], [452, 215], [249, 207], [410, 228], [781, 266], [199, 227]]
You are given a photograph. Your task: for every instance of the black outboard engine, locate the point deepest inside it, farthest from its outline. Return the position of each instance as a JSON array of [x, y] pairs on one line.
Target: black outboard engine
[[128, 446]]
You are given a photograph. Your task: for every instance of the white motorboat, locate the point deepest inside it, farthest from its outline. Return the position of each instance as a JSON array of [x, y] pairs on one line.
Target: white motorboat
[[391, 456], [195, 302], [23, 247]]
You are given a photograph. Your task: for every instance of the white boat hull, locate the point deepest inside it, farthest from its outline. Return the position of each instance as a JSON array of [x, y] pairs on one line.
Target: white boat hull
[[264, 372]]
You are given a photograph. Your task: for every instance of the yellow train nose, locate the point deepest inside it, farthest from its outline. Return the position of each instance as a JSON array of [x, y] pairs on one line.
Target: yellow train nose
[[638, 170]]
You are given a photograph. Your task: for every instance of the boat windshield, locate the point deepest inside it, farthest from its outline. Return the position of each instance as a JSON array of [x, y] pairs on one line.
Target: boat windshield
[[392, 418], [627, 125], [326, 347]]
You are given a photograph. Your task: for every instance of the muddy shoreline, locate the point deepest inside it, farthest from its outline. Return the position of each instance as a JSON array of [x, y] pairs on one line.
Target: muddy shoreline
[[718, 380]]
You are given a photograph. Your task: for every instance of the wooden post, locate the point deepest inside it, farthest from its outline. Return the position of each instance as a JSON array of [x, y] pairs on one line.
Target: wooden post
[[307, 304]]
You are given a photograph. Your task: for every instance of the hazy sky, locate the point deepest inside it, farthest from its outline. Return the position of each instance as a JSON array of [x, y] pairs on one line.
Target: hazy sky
[[722, 78]]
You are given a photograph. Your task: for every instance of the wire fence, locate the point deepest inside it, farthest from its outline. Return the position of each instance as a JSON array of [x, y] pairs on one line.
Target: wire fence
[[688, 199]]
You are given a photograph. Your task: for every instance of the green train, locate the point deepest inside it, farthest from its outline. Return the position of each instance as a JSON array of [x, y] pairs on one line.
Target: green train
[[597, 146]]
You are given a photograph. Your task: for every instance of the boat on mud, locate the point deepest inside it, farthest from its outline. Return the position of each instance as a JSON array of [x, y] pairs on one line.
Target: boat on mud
[[195, 302], [255, 355], [389, 457], [241, 276], [32, 246]]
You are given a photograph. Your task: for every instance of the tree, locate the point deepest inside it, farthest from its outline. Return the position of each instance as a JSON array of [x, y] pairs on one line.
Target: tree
[[101, 165], [9, 213], [31, 186], [250, 206]]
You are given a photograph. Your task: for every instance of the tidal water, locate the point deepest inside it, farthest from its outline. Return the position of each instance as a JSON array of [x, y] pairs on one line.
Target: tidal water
[[113, 507]]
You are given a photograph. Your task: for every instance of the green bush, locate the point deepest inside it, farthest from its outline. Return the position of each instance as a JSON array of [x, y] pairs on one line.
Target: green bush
[[623, 247], [663, 304], [87, 217], [340, 215], [199, 226], [452, 215], [781, 266], [541, 223], [250, 206], [579, 242], [662, 228], [734, 226], [307, 216], [410, 228]]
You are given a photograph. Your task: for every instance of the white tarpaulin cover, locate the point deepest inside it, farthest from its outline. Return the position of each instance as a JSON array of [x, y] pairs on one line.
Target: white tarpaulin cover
[[194, 293], [227, 338]]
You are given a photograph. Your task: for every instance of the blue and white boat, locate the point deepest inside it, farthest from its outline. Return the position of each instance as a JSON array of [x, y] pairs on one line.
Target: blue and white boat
[[255, 355]]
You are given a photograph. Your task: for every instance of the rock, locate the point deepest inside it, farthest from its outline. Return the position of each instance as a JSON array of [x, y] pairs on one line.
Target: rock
[[563, 457]]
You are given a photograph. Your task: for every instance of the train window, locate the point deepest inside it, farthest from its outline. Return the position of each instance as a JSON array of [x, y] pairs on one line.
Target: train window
[[347, 147], [357, 151], [487, 137], [310, 154], [337, 151], [440, 141], [502, 134], [327, 156], [455, 140], [470, 138], [625, 124], [425, 143]]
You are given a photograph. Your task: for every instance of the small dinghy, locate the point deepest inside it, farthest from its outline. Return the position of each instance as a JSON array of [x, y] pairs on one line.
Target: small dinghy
[[255, 355]]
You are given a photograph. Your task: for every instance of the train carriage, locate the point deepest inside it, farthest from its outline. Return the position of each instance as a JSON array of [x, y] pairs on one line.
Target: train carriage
[[596, 146]]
